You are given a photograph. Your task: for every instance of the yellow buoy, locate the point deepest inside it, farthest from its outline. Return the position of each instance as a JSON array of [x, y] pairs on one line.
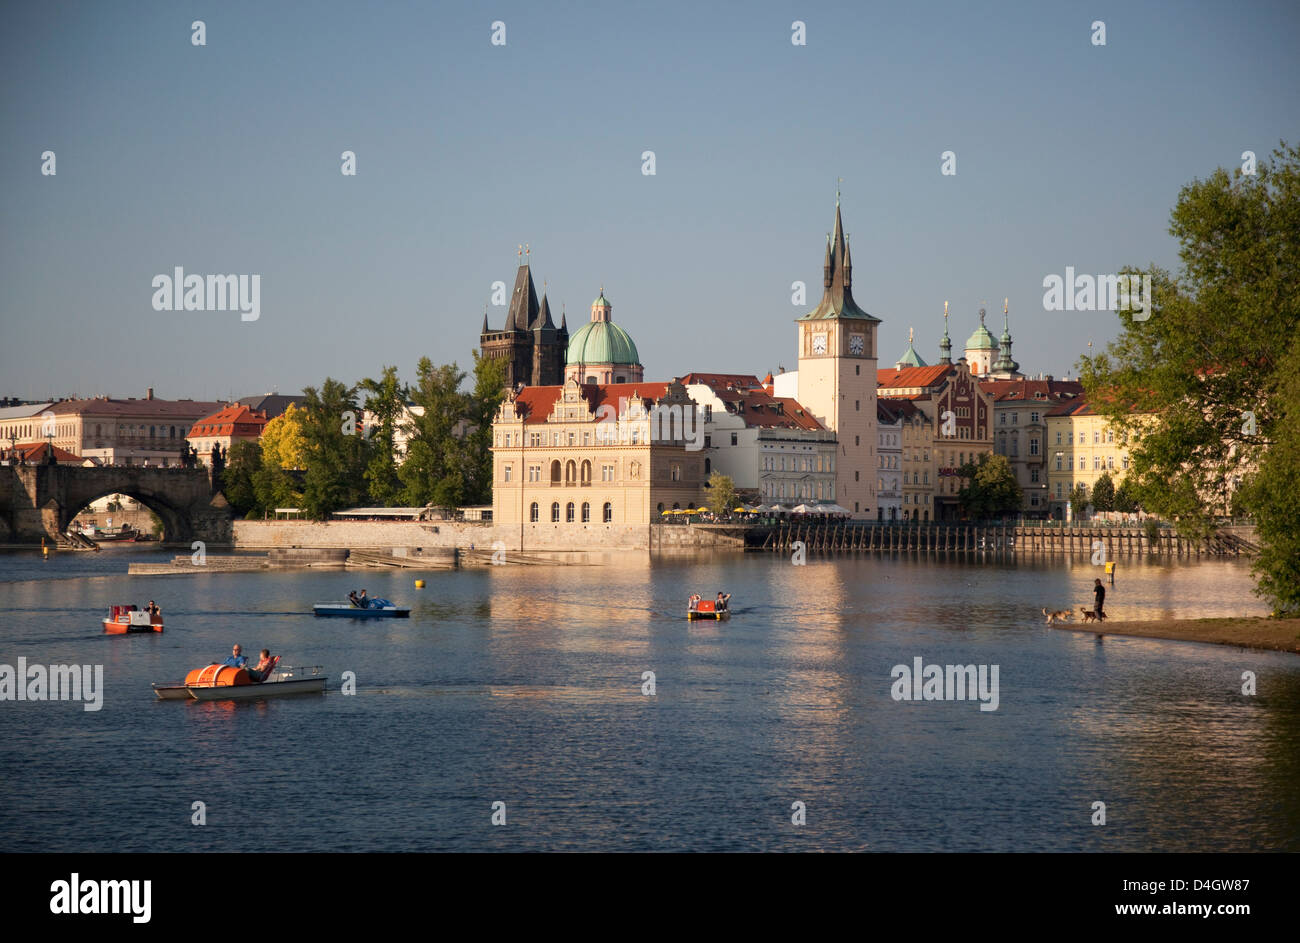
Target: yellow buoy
[[419, 584]]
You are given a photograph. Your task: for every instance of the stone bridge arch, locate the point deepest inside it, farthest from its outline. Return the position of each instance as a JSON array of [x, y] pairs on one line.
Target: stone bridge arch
[[40, 500]]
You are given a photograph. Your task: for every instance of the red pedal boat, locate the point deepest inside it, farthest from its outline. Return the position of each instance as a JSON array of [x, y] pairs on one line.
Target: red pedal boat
[[706, 609], [124, 619]]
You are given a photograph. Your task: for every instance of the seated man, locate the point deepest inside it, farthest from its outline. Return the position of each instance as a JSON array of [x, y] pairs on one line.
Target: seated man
[[363, 600], [154, 612], [721, 604], [263, 667], [352, 598], [236, 660], [693, 603]]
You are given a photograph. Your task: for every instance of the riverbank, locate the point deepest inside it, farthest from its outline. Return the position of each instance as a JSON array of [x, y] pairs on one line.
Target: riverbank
[[1282, 635]]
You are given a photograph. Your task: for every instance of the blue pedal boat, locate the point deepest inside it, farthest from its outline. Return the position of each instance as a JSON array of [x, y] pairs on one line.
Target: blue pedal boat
[[378, 609]]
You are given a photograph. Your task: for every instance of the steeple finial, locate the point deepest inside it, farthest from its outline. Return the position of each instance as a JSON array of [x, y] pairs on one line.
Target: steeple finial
[[911, 336]]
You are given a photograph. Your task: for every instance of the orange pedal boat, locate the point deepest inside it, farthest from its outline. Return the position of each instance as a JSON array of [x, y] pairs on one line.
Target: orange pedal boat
[[124, 619]]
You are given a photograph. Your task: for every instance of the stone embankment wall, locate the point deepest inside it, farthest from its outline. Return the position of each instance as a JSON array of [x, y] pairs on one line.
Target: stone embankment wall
[[557, 538]]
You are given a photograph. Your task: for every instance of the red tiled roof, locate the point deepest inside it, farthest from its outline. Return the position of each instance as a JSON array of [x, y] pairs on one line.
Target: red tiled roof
[[232, 420], [907, 377], [34, 452], [1030, 391], [536, 402], [739, 381], [903, 406]]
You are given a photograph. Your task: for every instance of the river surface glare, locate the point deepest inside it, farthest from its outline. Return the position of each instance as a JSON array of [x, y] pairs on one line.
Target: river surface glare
[[523, 686]]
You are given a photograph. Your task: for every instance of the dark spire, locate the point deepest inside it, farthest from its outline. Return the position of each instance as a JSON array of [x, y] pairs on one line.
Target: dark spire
[[544, 321], [837, 302], [564, 320], [826, 266], [523, 302], [486, 329]]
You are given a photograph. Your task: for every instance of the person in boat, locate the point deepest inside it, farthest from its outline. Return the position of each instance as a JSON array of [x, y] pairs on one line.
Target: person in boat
[[153, 610], [693, 603], [723, 599], [352, 598], [236, 659], [263, 667], [363, 600]]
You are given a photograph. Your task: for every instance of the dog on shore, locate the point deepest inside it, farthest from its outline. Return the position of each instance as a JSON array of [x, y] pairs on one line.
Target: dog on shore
[[1090, 615], [1059, 615]]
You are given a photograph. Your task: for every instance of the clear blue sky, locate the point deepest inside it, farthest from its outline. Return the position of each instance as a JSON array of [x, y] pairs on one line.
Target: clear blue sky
[[225, 159]]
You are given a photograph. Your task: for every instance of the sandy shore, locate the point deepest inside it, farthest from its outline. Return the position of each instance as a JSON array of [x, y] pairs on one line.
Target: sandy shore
[[1281, 635]]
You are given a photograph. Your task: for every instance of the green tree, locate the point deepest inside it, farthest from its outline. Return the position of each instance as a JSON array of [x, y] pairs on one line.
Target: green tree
[[1125, 500], [242, 464], [476, 443], [1272, 494], [1078, 502], [335, 459], [722, 493], [386, 402], [433, 472], [1103, 493], [990, 489], [1207, 367]]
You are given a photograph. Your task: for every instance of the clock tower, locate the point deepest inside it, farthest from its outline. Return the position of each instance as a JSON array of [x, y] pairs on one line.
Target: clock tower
[[837, 376]]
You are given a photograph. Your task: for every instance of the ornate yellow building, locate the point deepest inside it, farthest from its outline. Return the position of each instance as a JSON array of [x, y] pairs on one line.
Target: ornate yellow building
[[1082, 446], [583, 459]]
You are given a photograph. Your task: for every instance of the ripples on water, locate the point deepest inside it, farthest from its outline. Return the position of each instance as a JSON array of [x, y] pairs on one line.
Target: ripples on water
[[524, 685]]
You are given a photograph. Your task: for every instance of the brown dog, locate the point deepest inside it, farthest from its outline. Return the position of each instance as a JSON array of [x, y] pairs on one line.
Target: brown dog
[[1060, 615], [1091, 616]]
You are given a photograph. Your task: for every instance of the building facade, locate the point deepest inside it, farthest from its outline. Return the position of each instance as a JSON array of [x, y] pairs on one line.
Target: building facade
[[1020, 411], [580, 457], [111, 431], [1084, 445], [774, 450], [222, 429], [889, 459]]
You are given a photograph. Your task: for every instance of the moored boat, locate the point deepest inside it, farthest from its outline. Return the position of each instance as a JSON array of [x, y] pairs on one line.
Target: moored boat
[[378, 609], [227, 683], [124, 619]]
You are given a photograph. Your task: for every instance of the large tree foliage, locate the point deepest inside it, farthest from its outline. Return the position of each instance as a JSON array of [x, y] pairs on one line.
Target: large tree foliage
[[476, 445], [335, 450], [991, 489], [433, 472], [283, 445], [242, 465], [386, 402], [1103, 493], [1210, 365]]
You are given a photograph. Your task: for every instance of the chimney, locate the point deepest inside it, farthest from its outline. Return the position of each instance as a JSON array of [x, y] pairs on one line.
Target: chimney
[[149, 393]]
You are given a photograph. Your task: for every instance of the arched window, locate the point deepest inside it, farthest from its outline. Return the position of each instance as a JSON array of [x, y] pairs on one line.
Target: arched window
[[570, 473], [555, 473], [568, 512], [708, 466], [532, 513], [555, 512], [607, 513], [586, 512], [586, 473]]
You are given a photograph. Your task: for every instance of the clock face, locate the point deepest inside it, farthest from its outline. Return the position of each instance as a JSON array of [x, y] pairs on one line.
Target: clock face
[[819, 344], [855, 344]]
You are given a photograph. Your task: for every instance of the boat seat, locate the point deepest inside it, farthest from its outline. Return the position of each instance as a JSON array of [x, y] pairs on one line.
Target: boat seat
[[275, 663]]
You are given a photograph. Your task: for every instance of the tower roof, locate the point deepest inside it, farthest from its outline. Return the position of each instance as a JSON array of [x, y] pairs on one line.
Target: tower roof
[[837, 298], [911, 358], [980, 338], [523, 302], [544, 317]]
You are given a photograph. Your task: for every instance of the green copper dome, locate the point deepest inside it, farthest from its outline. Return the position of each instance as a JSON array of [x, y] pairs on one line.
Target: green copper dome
[[601, 302], [602, 342], [981, 339]]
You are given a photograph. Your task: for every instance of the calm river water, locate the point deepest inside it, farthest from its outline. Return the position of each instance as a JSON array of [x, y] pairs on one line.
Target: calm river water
[[524, 686]]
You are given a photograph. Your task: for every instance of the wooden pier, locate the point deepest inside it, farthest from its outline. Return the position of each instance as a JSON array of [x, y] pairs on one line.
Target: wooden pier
[[991, 538]]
